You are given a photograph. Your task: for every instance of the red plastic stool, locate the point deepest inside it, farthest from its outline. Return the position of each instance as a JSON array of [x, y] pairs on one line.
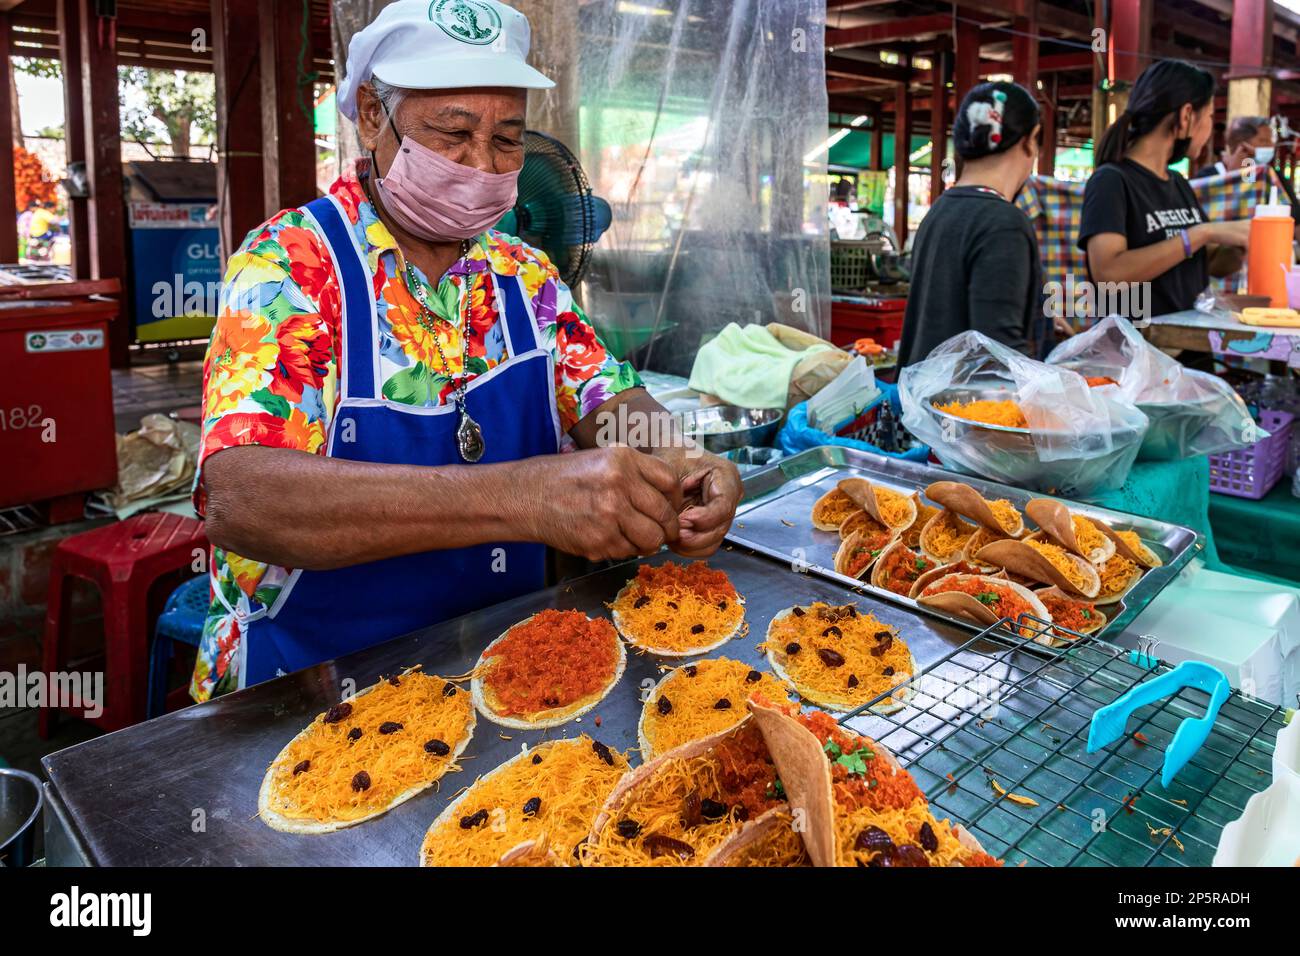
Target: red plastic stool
[[123, 560]]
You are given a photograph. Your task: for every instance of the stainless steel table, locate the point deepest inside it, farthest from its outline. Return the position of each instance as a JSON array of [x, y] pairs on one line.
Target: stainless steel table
[[182, 789]]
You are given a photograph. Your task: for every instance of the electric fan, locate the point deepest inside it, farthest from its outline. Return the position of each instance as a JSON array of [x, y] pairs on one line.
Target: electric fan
[[556, 211]]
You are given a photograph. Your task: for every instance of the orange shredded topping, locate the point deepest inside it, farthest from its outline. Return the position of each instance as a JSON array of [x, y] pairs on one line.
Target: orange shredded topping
[[1086, 534], [1095, 380], [998, 598], [901, 567], [912, 536], [736, 772], [1115, 575], [895, 508], [691, 695], [1005, 413], [1060, 559], [569, 778], [1006, 514], [313, 778], [872, 658], [1075, 615], [554, 659], [679, 608], [1134, 542], [947, 535], [834, 508], [870, 793]]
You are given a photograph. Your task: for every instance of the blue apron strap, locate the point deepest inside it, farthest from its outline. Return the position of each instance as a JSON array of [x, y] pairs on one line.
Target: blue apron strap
[[520, 326], [357, 363]]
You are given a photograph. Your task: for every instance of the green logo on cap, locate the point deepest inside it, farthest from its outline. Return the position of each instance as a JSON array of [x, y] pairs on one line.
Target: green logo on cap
[[469, 21]]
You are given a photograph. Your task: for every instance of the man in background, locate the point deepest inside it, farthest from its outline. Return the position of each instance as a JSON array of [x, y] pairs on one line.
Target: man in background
[[1250, 139]]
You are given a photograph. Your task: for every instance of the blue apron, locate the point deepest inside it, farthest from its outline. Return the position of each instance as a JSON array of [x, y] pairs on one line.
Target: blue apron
[[321, 615]]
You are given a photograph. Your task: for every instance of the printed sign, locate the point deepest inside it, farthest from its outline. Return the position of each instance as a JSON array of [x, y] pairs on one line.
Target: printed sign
[[158, 215], [65, 340]]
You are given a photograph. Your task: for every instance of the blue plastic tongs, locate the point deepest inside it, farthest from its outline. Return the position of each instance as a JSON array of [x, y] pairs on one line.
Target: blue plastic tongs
[[1108, 722]]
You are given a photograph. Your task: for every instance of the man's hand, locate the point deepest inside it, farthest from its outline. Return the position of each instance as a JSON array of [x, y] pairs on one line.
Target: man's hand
[[602, 503], [713, 489]]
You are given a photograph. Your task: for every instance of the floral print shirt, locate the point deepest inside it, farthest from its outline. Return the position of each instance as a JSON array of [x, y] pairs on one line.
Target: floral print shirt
[[271, 373]]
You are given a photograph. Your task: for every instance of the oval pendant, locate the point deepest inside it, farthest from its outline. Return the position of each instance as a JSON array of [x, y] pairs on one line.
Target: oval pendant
[[470, 438]]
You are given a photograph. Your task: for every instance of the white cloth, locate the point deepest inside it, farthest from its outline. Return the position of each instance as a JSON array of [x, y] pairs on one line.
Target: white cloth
[[1248, 629]]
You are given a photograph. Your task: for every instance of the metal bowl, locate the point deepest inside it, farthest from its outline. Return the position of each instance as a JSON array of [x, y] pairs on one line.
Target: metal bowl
[[21, 799], [1173, 425], [1047, 460], [720, 428]]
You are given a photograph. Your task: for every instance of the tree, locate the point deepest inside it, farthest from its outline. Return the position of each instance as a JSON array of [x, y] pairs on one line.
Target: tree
[[31, 181], [179, 107]]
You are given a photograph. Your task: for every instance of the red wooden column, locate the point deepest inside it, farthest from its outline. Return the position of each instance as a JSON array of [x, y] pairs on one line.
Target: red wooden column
[[1024, 50], [1129, 39], [68, 24], [902, 147], [940, 120], [106, 213], [288, 137], [966, 67], [8, 231], [1047, 108], [236, 64], [1250, 89]]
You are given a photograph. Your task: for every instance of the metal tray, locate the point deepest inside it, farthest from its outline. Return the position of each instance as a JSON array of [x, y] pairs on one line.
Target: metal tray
[[774, 519], [182, 789]]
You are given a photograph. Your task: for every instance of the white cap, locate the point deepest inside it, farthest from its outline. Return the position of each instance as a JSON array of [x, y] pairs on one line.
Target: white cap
[[441, 45]]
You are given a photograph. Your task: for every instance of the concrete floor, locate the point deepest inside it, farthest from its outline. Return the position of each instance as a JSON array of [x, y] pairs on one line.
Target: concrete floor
[[156, 385], [152, 384]]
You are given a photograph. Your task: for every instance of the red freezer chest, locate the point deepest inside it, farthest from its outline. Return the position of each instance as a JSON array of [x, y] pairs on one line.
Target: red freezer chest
[[56, 399]]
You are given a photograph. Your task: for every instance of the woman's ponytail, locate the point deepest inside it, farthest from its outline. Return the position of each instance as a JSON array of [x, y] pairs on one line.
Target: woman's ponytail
[[1114, 141]]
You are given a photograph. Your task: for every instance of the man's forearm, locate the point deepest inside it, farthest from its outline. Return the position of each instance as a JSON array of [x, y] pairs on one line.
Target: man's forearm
[[355, 511]]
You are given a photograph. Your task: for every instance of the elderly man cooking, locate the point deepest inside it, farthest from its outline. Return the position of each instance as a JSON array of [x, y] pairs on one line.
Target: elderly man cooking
[[390, 379]]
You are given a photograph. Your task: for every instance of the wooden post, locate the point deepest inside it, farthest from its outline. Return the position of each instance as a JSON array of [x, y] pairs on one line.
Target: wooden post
[[902, 148], [939, 122], [966, 68], [235, 61], [877, 157], [1047, 109], [9, 231], [68, 24], [1024, 50], [106, 212], [1250, 89], [288, 135]]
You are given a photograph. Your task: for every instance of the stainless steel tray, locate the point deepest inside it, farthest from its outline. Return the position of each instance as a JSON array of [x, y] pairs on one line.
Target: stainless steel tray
[[774, 519]]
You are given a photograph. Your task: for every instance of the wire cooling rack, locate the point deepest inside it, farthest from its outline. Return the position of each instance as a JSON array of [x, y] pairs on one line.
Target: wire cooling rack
[[995, 733]]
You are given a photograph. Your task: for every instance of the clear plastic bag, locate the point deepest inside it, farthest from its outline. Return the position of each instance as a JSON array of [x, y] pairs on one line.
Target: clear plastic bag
[[1078, 442], [1191, 413]]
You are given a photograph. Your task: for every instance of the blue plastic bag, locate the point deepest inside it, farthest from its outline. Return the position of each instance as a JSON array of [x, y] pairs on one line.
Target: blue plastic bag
[[797, 435]]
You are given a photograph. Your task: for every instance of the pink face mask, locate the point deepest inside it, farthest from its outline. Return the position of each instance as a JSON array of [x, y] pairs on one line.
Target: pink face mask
[[439, 200]]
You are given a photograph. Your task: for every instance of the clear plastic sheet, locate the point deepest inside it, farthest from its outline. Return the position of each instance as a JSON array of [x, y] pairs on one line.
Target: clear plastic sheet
[[703, 124], [1079, 441], [1191, 412]]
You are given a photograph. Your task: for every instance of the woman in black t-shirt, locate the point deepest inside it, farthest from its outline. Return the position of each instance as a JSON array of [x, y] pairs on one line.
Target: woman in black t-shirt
[[975, 260], [1142, 224]]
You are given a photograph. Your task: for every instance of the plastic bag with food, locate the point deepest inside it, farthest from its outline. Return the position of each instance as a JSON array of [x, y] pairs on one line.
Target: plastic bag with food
[[1191, 412], [985, 408]]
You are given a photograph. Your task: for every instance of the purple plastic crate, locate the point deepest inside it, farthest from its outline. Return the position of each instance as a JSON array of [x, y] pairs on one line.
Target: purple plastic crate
[[1252, 472]]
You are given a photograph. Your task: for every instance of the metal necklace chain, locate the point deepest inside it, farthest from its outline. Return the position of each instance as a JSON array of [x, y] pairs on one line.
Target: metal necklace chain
[[469, 436], [426, 317]]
